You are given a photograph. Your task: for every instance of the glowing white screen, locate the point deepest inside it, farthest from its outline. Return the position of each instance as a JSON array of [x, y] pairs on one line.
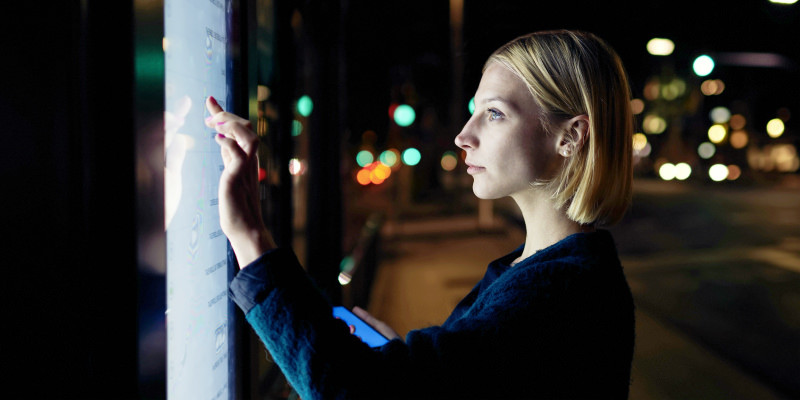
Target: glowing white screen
[[198, 329]]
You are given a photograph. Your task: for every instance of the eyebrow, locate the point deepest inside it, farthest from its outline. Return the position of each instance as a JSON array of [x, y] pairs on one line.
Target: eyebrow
[[500, 99]]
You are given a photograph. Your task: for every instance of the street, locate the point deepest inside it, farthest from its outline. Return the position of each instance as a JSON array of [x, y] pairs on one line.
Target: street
[[722, 265]]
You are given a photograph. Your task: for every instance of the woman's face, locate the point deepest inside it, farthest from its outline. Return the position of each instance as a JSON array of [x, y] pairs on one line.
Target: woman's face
[[507, 148]]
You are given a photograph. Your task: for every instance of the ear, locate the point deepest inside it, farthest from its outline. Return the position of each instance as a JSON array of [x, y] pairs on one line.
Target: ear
[[574, 134]]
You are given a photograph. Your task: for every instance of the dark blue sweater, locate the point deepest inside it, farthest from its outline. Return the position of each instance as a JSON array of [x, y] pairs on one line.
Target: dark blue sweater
[[559, 324]]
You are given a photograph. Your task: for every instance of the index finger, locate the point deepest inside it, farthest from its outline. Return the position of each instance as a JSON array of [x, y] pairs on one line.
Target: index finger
[[212, 105]]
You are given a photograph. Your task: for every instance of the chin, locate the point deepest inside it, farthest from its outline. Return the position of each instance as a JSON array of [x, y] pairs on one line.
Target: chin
[[485, 193]]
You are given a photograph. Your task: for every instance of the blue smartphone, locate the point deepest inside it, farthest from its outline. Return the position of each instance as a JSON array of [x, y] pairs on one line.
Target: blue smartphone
[[363, 330]]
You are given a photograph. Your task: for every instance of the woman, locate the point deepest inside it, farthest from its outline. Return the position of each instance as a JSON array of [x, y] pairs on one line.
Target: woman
[[553, 319]]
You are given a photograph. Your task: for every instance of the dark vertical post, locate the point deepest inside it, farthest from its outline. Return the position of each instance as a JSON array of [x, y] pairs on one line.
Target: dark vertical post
[[324, 227]]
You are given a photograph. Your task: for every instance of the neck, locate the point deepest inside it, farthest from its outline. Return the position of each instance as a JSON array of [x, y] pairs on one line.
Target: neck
[[545, 225]]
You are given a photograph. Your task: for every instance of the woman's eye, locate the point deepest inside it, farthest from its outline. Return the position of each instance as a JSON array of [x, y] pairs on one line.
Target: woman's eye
[[494, 114]]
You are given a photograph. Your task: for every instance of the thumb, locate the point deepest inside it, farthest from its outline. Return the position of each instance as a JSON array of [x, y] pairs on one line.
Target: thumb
[[379, 325]]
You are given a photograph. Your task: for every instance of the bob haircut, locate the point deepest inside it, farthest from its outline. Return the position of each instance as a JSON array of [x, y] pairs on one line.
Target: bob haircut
[[571, 73]]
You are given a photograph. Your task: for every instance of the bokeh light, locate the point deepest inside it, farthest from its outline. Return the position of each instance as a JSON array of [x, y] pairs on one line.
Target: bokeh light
[[389, 158], [703, 65], [734, 172], [682, 171], [675, 88], [637, 106], [305, 106], [706, 150], [364, 158], [471, 106], [775, 128], [404, 115], [449, 161], [717, 133], [720, 115], [738, 121], [739, 139], [651, 90], [654, 124], [297, 167], [639, 142], [660, 46], [718, 172], [297, 128], [362, 177], [411, 156], [667, 171], [712, 87]]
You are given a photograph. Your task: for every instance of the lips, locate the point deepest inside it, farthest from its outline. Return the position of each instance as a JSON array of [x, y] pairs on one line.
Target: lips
[[474, 169]]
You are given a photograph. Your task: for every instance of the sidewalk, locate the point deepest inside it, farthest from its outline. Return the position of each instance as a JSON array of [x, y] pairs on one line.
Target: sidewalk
[[428, 265]]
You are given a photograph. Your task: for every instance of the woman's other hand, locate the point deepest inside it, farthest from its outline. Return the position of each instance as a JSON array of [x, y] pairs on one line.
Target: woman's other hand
[[239, 207]]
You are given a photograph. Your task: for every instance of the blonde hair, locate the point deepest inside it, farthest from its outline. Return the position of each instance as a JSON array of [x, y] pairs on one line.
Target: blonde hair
[[572, 73]]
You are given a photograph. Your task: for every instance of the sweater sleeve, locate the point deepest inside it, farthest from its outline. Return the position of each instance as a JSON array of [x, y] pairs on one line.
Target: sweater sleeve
[[512, 342]]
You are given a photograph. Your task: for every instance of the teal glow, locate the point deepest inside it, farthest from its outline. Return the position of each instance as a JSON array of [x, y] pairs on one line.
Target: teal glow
[[347, 264], [388, 158], [703, 65], [404, 115], [305, 106], [364, 158], [471, 105], [411, 156], [297, 128]]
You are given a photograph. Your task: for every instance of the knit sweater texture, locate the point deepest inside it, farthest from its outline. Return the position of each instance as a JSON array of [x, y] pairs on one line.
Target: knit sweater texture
[[559, 324]]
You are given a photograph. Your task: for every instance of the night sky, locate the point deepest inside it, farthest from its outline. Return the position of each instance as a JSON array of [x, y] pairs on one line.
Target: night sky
[[389, 43]]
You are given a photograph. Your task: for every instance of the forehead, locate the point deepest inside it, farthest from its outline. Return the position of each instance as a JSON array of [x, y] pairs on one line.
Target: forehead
[[499, 83]]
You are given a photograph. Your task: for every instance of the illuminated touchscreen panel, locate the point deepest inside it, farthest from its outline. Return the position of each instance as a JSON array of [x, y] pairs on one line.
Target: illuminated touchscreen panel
[[199, 316]]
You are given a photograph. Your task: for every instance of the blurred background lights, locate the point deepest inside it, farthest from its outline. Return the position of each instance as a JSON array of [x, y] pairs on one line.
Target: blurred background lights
[[703, 65], [362, 177], [411, 156], [637, 106], [651, 90], [712, 87], [739, 139], [673, 89], [296, 167], [720, 115], [449, 161], [667, 171], [706, 150], [305, 106], [737, 121], [718, 172], [783, 1], [660, 46], [639, 141], [364, 158], [262, 93], [682, 171], [717, 133], [297, 128], [388, 158], [404, 115], [654, 124], [779, 157], [375, 173], [775, 128], [734, 172], [471, 105]]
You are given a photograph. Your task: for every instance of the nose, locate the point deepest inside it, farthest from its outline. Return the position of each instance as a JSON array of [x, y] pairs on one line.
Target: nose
[[466, 139]]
